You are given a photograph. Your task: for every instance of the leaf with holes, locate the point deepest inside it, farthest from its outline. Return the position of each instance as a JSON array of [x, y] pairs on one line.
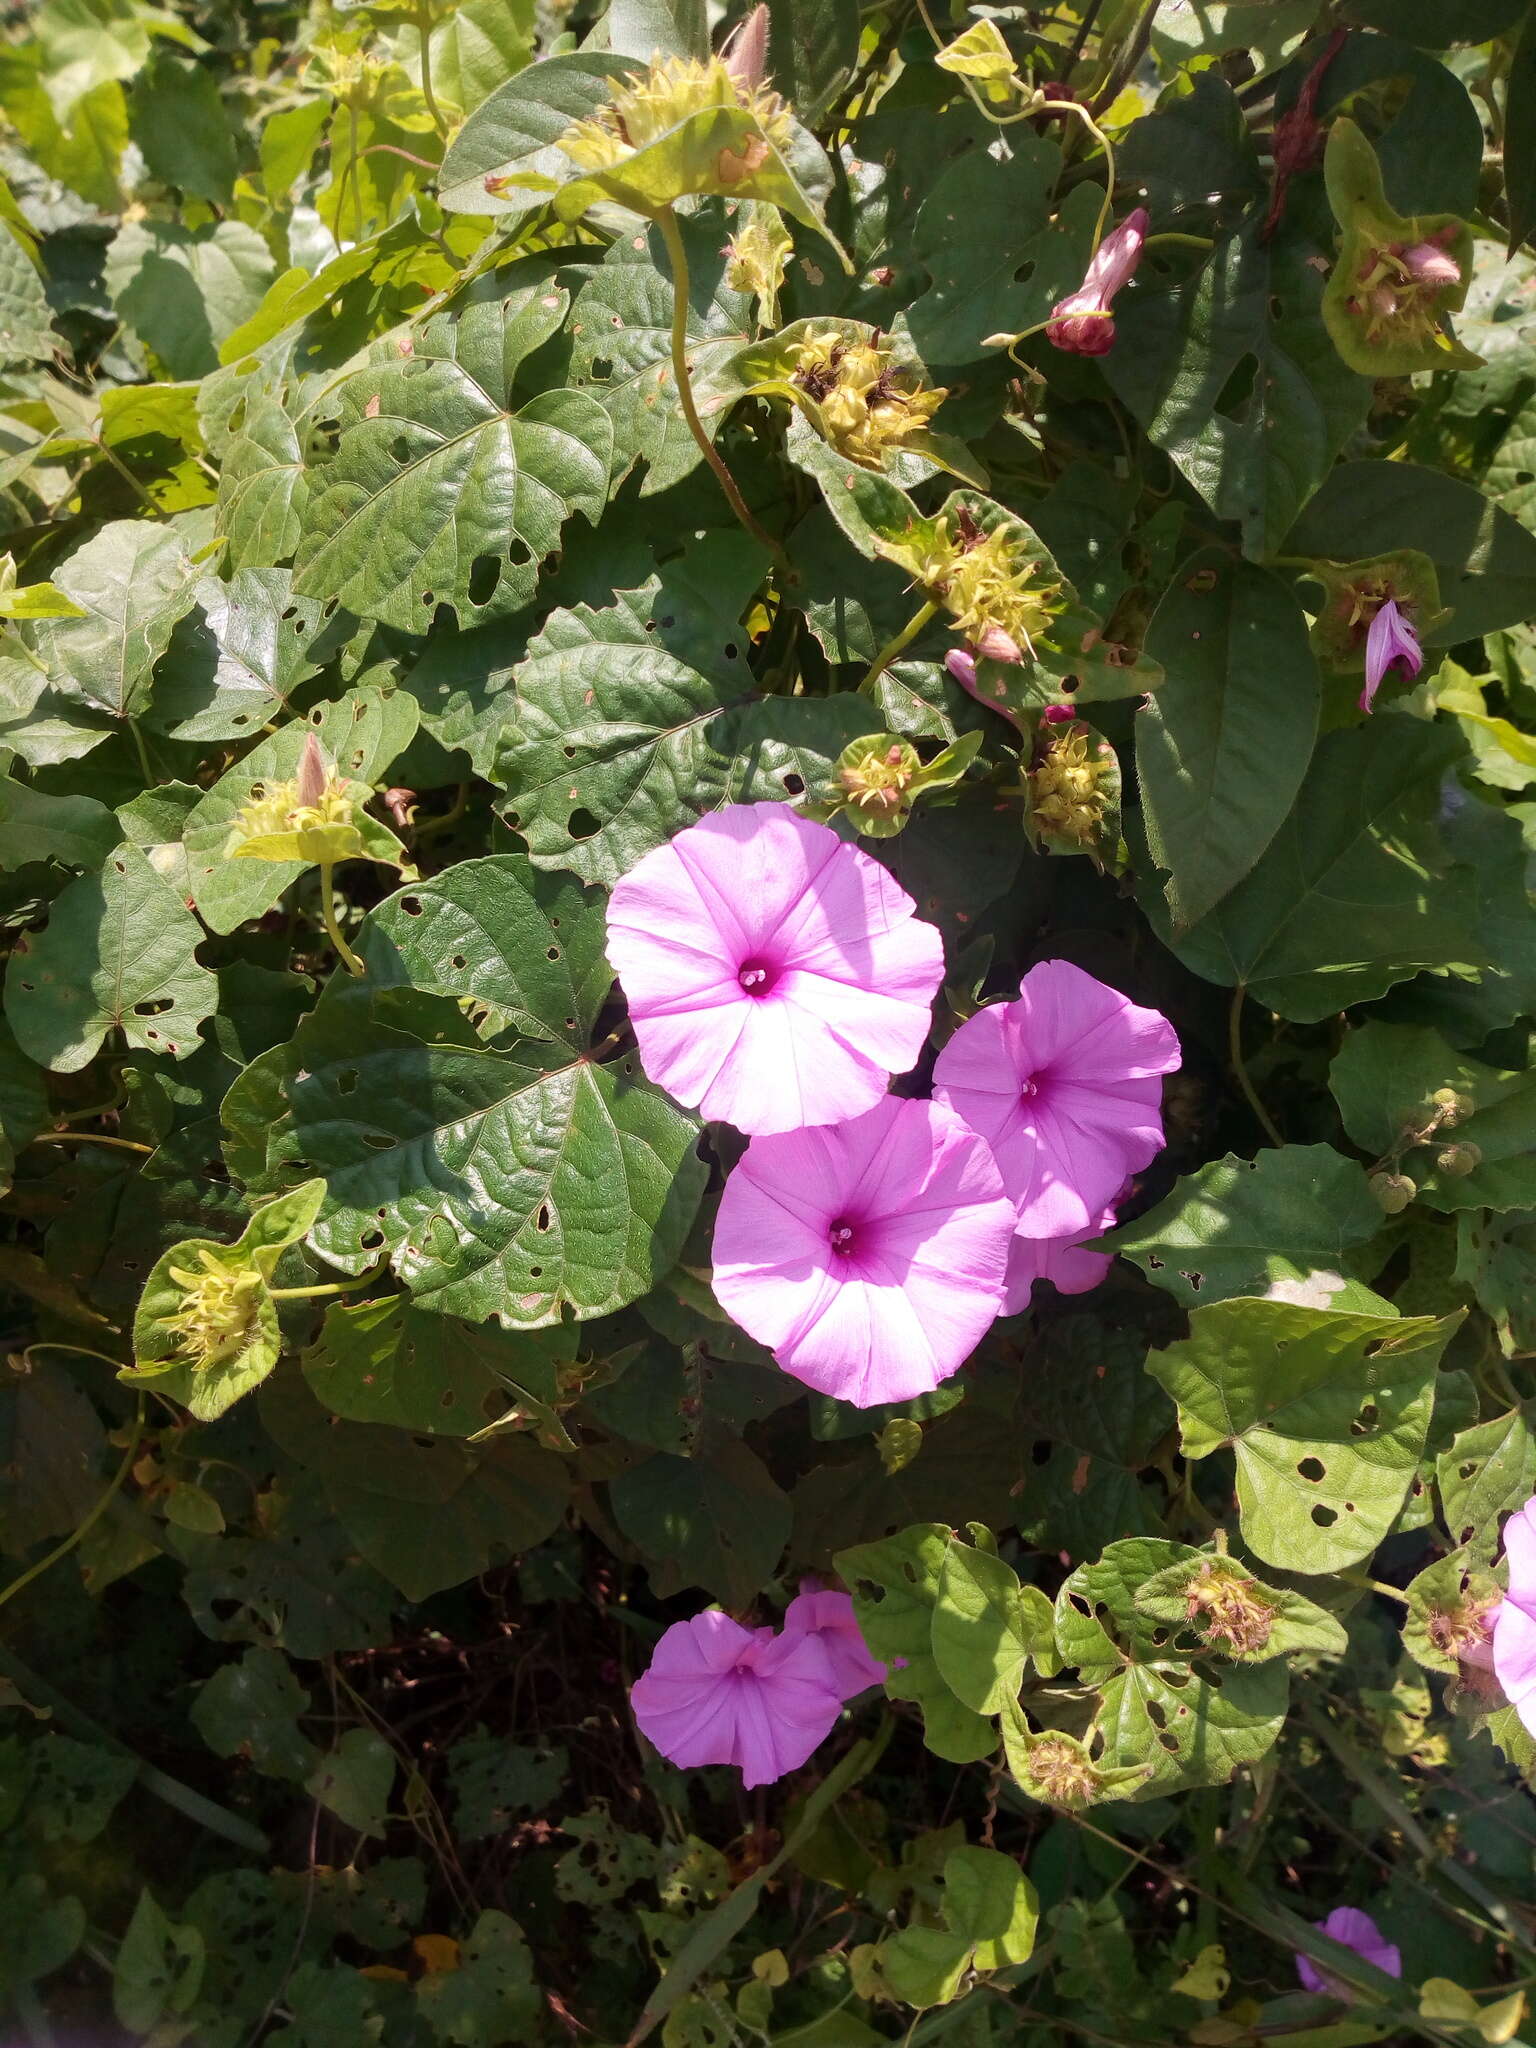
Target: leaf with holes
[[360, 734], [634, 721], [514, 1187], [133, 581], [234, 663], [1278, 1225], [119, 954], [621, 345], [1194, 1727], [896, 1588], [523, 949], [1488, 1470], [263, 484], [443, 488], [1327, 1414], [1235, 1614]]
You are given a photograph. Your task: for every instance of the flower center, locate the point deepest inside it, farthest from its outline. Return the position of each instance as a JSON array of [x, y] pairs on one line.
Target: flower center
[[757, 977], [1028, 1087], [840, 1237]]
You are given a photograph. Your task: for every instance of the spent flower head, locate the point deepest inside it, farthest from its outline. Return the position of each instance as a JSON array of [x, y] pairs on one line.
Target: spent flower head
[[867, 404], [1073, 787], [1229, 1609], [647, 107], [220, 1304]]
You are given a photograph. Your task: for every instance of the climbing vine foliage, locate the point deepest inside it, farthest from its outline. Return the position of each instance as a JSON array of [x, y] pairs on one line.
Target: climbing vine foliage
[[767, 800]]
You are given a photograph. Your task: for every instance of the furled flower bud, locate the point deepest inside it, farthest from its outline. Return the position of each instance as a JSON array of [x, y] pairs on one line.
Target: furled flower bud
[[218, 1310], [745, 55], [270, 823], [1394, 1191], [1390, 642], [1428, 263], [993, 644], [1229, 1610], [1082, 323], [962, 666]]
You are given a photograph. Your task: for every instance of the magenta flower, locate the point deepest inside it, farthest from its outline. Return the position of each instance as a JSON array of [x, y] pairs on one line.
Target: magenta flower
[[718, 1693], [868, 1256], [1065, 1085], [1064, 1261], [825, 1617], [1356, 1930], [776, 976], [1390, 642], [1082, 323], [1514, 1621]]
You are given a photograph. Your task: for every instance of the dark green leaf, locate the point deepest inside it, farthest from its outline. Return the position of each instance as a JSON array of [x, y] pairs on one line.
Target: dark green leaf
[[1223, 747]]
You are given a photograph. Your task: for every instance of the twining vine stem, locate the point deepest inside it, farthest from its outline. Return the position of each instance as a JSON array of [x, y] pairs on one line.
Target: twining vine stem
[[677, 258]]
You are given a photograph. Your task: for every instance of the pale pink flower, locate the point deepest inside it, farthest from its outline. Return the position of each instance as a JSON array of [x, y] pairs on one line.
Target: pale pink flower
[[825, 1617], [776, 975], [1065, 1085], [1069, 1266], [1390, 642], [718, 1693], [961, 664], [869, 1256], [1081, 323], [1514, 1622], [1356, 1930], [1427, 263]]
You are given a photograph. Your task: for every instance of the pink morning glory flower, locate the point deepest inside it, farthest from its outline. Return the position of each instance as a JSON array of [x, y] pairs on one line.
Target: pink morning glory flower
[[1066, 1262], [824, 1616], [1514, 1623], [869, 1256], [718, 1693], [1356, 1930], [1082, 323], [776, 975], [1390, 642], [1066, 1087]]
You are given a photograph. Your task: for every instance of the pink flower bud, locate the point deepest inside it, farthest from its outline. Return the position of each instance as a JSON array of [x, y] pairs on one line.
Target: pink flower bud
[[996, 645], [745, 55], [1059, 714], [314, 772], [1081, 323], [962, 666], [1390, 642], [1427, 263]]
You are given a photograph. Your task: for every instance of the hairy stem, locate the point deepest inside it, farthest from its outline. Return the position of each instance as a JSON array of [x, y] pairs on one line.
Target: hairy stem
[[424, 30], [677, 258], [344, 952], [894, 646]]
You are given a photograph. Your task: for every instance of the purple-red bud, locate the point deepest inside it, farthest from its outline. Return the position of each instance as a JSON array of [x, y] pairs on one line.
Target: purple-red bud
[[1081, 323]]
